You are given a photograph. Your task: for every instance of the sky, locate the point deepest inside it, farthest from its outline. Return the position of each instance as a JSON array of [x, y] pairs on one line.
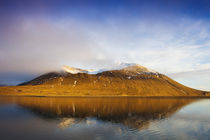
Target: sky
[[169, 36]]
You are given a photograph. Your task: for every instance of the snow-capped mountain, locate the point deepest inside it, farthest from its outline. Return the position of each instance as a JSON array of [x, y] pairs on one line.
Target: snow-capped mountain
[[123, 79]]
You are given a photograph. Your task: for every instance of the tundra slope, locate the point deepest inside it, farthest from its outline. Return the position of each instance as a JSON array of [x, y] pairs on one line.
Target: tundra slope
[[131, 80]]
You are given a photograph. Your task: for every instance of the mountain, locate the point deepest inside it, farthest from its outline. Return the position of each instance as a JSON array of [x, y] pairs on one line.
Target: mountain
[[124, 80], [123, 71]]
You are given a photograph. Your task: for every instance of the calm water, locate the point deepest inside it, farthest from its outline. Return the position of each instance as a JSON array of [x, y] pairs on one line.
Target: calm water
[[103, 118]]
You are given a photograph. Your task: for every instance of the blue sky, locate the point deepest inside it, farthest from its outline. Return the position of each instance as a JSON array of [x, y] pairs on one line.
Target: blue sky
[[171, 36]]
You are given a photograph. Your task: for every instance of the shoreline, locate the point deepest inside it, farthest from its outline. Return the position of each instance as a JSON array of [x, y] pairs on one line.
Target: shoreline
[[111, 96]]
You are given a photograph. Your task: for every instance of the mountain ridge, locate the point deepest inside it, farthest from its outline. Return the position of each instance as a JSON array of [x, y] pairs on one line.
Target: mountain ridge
[[125, 71], [120, 66]]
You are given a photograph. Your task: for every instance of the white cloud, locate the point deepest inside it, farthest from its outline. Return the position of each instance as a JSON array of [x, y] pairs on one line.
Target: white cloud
[[43, 45]]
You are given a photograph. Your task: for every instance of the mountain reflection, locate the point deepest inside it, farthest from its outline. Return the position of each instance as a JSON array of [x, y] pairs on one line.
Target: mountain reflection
[[135, 113]]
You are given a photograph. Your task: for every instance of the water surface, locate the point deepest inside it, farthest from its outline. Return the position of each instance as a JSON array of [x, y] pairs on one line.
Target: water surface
[[104, 118]]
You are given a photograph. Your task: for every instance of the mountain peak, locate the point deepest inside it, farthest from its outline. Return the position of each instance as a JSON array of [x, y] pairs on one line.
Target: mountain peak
[[132, 67]]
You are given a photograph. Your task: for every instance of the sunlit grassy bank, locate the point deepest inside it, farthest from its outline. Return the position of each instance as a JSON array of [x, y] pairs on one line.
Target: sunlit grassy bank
[[48, 90]]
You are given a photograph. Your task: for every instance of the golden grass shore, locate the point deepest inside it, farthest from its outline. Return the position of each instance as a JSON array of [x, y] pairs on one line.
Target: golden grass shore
[[67, 91]]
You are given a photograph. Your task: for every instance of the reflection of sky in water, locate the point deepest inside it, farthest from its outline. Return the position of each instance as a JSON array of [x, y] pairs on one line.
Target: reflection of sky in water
[[199, 109], [190, 122]]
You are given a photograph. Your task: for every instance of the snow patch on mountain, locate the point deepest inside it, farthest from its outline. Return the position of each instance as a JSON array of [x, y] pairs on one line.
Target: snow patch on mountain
[[73, 70]]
